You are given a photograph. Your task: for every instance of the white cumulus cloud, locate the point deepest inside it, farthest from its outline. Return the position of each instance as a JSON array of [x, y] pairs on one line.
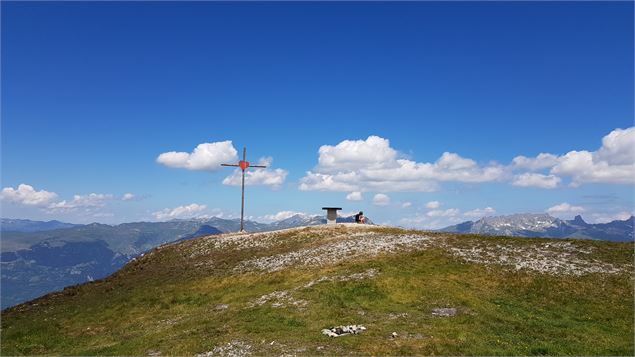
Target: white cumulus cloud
[[531, 179], [618, 147], [354, 196], [435, 219], [406, 204], [374, 152], [542, 161], [480, 212], [26, 195], [450, 212], [257, 176], [206, 156], [433, 204], [605, 217], [612, 163], [281, 215], [381, 199], [586, 167], [372, 165], [90, 201], [274, 178], [565, 210], [189, 211], [341, 182], [128, 197]]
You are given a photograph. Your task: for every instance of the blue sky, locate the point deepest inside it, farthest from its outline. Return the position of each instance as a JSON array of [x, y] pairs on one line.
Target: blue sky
[[94, 93]]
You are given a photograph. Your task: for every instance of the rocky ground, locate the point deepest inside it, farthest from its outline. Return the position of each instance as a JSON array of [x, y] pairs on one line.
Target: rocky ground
[[365, 241]]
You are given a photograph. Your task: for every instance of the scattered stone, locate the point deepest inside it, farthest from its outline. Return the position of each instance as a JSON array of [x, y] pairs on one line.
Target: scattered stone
[[284, 298], [230, 349], [402, 315], [171, 321], [557, 258], [154, 353], [221, 307], [370, 273], [279, 299], [444, 311], [343, 330], [355, 245], [416, 336], [393, 335]]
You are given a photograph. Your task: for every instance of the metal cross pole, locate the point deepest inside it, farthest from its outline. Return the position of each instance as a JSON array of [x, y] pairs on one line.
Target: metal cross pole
[[243, 164]]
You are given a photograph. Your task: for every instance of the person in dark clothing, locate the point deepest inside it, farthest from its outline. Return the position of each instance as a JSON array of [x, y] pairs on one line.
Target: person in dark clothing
[[359, 218]]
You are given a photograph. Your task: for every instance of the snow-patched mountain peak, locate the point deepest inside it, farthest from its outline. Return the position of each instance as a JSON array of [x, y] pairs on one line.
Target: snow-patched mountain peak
[[298, 219], [522, 221], [544, 225]]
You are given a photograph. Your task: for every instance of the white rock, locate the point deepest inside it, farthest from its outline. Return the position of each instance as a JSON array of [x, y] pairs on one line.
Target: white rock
[[343, 330]]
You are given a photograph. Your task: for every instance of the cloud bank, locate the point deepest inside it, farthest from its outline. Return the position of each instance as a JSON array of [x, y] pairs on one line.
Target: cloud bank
[[273, 178], [612, 163], [26, 195], [373, 165], [90, 201], [189, 211]]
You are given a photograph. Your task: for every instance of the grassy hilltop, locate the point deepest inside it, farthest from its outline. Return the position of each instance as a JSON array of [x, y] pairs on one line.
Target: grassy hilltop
[[272, 293]]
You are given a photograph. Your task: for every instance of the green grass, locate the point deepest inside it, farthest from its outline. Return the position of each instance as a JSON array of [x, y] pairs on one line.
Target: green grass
[[166, 303]]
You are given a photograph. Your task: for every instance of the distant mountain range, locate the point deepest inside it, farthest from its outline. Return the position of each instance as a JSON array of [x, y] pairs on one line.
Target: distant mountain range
[[40, 257], [26, 225], [544, 225]]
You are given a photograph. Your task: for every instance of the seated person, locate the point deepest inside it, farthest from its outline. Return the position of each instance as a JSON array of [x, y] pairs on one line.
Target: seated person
[[359, 218]]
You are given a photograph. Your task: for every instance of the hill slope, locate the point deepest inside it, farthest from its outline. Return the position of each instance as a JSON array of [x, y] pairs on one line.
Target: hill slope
[[38, 262], [273, 293]]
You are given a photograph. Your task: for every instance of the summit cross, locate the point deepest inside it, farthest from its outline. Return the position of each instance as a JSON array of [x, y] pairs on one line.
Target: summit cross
[[244, 165]]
